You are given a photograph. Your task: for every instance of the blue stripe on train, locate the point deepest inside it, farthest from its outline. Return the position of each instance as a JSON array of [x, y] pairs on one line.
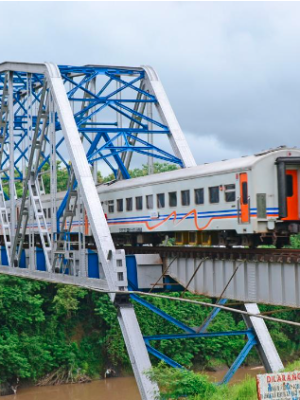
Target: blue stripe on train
[[200, 215]]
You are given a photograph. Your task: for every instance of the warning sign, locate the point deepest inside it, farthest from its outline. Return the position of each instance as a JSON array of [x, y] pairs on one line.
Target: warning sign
[[279, 386]]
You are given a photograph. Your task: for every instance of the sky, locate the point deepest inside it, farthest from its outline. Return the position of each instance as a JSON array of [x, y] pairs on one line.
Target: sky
[[231, 70]]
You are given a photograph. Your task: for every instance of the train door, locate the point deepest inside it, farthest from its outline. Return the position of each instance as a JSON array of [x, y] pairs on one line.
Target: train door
[[244, 200], [292, 198]]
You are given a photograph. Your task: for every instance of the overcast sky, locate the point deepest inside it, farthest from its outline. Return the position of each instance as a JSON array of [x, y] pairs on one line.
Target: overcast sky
[[231, 70]]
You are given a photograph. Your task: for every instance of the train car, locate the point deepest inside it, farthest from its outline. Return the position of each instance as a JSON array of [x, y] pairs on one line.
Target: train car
[[247, 201]]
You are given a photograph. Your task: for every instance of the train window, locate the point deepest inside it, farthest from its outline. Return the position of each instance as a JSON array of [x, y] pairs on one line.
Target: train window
[[185, 197], [199, 196], [173, 199], [49, 212], [45, 212], [214, 196], [261, 202], [129, 204], [229, 193], [120, 205], [149, 201], [160, 200], [289, 186], [111, 206], [139, 202], [244, 193]]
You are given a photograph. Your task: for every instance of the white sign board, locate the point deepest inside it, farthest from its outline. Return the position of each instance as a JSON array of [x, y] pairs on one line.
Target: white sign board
[[279, 386]]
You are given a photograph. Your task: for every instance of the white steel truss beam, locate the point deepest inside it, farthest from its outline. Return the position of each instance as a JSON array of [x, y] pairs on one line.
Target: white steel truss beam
[[177, 138], [89, 283]]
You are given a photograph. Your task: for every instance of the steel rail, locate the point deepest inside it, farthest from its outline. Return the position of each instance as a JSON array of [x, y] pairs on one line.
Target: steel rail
[[262, 255]]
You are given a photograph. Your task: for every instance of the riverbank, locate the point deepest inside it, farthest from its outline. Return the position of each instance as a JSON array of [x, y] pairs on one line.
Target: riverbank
[[101, 389], [241, 387], [113, 386]]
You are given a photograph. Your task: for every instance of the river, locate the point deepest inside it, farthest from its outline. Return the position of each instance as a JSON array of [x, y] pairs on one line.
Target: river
[[111, 389]]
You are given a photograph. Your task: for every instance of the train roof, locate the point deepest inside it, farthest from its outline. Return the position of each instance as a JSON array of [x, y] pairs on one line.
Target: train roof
[[219, 167]]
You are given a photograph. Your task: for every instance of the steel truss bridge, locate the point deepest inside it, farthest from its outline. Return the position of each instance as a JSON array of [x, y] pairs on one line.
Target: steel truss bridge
[[100, 118]]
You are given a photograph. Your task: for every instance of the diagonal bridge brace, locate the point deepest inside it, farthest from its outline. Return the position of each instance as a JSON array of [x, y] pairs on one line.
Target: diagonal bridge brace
[[103, 240]]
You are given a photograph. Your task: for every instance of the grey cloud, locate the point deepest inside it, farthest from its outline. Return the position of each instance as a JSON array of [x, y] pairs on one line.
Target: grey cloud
[[231, 70]]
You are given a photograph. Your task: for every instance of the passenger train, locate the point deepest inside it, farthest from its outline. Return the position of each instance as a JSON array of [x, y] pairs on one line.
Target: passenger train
[[246, 201]]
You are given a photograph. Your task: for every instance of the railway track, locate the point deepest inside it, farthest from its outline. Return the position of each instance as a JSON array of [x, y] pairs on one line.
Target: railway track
[[260, 255]]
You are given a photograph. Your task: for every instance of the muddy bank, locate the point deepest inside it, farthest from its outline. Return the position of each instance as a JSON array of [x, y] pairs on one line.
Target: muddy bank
[[113, 389]]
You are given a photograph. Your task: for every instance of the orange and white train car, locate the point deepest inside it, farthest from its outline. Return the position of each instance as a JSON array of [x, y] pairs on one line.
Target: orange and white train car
[[244, 201]]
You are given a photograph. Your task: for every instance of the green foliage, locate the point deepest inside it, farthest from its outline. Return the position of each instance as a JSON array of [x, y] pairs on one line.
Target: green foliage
[[183, 384], [137, 172], [46, 328], [295, 241], [67, 300], [293, 366], [113, 340], [177, 383], [62, 175]]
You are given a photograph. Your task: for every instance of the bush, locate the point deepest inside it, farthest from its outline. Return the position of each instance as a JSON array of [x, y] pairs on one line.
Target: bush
[[177, 383]]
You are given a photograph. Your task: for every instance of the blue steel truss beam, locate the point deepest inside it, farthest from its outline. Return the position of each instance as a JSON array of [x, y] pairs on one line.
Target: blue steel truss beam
[[93, 116], [162, 314], [198, 335], [161, 356], [212, 316], [252, 341]]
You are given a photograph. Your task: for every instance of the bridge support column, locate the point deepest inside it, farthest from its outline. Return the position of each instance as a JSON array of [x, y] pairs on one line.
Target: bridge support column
[[265, 345]]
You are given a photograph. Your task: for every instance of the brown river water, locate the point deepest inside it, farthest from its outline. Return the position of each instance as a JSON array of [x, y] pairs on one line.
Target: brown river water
[[111, 389]]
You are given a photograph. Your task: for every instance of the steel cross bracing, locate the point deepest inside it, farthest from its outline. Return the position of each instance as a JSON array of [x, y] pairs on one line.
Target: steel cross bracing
[[257, 336], [50, 115], [119, 112]]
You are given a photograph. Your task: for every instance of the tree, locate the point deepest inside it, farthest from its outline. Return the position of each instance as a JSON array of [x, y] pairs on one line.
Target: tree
[[138, 172]]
